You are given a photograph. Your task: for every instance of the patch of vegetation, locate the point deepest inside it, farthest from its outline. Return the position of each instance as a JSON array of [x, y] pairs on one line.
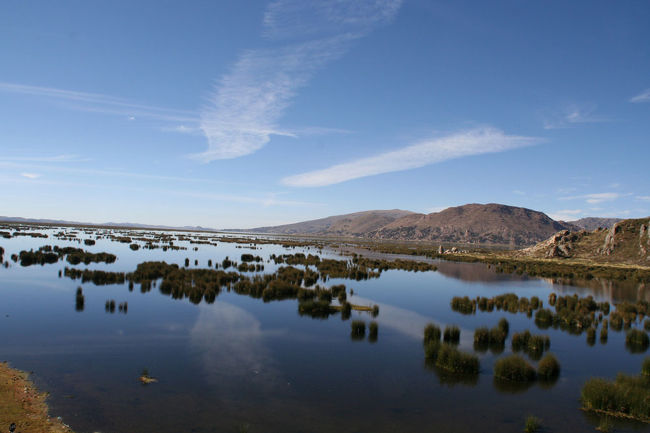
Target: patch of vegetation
[[533, 345], [80, 300], [548, 368], [431, 334], [373, 332], [637, 341], [451, 334], [24, 406], [627, 396], [358, 329], [450, 359], [493, 339], [532, 424], [514, 368]]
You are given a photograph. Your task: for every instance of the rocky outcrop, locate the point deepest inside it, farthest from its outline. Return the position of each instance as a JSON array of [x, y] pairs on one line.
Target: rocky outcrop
[[628, 241]]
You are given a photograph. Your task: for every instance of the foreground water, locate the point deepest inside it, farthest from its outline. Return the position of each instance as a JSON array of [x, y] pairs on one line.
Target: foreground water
[[240, 364]]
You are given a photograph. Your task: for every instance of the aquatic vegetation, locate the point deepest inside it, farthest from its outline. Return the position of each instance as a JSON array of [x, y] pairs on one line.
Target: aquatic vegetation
[[98, 278], [548, 368], [645, 367], [637, 341], [431, 333], [544, 318], [74, 256], [315, 309], [591, 336], [514, 368], [373, 332], [493, 339], [134, 247], [627, 396], [250, 258], [89, 242], [31, 257], [451, 334], [533, 345], [603, 335], [532, 424], [449, 358], [463, 305], [358, 329], [79, 299]]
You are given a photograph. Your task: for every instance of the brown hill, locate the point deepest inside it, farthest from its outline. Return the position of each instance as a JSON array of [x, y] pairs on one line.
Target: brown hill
[[474, 223], [628, 241], [349, 225]]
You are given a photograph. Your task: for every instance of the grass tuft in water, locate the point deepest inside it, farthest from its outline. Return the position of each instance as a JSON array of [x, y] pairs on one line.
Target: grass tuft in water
[[514, 368]]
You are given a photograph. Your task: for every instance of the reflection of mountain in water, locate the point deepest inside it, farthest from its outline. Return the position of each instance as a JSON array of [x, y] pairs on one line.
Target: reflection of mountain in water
[[475, 272], [230, 344], [612, 291]]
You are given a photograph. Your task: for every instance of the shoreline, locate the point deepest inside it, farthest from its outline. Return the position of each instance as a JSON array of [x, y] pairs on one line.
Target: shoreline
[[25, 405]]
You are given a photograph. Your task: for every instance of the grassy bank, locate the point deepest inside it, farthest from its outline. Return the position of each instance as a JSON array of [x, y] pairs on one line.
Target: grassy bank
[[22, 404]]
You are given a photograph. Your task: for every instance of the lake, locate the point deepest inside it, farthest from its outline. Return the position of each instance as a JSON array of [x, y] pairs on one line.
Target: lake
[[244, 365]]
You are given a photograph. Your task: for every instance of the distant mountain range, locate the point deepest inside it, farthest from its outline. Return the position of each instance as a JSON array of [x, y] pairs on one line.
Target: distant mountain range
[[108, 224], [486, 224], [490, 224], [592, 223]]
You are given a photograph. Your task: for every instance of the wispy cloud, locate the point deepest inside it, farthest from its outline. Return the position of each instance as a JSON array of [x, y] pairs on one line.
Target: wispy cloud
[[248, 102], [56, 158], [566, 214], [30, 175], [100, 103], [643, 197], [595, 198], [574, 114], [641, 97], [473, 142]]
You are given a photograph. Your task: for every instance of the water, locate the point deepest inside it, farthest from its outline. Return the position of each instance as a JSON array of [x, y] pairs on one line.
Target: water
[[240, 364]]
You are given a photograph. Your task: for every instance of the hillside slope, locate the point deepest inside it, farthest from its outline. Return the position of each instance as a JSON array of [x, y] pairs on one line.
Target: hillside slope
[[474, 223], [349, 225], [628, 241]]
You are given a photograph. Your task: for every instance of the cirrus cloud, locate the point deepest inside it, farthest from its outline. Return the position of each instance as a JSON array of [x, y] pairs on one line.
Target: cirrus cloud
[[473, 142]]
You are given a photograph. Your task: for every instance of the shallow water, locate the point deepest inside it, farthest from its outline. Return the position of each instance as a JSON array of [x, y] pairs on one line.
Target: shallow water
[[240, 364]]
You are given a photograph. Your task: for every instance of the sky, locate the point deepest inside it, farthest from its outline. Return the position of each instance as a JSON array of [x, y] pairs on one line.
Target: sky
[[230, 114]]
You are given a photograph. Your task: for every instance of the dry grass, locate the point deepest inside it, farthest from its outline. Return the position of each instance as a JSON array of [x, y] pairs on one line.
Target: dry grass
[[21, 403]]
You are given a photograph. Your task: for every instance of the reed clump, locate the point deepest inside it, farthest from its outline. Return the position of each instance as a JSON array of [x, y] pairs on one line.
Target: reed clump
[[533, 345], [548, 368], [514, 368], [358, 329], [626, 396], [373, 332], [637, 341], [451, 334], [431, 333]]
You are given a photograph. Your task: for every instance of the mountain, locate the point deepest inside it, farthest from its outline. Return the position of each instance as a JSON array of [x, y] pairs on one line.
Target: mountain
[[474, 223], [627, 241], [592, 223], [471, 223], [7, 219], [348, 225]]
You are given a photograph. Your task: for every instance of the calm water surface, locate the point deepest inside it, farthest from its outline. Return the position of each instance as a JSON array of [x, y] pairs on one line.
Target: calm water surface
[[240, 364]]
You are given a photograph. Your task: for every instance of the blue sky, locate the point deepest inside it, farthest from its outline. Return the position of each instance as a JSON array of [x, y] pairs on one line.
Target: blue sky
[[242, 114]]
